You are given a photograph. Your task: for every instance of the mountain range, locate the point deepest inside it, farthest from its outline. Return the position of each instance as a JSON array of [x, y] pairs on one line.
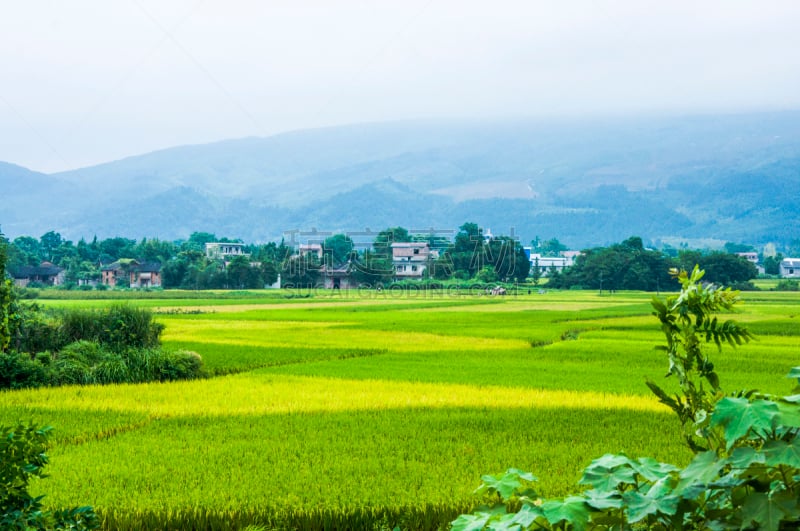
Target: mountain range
[[585, 182]]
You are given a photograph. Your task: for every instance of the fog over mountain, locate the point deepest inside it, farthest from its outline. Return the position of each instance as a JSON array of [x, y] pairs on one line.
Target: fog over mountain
[[727, 177]]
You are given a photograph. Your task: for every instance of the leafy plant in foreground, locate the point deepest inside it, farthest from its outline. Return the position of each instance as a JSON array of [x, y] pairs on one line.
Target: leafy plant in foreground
[[22, 457], [746, 470]]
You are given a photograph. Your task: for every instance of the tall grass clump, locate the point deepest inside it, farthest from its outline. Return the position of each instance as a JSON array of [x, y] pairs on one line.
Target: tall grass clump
[[77, 346]]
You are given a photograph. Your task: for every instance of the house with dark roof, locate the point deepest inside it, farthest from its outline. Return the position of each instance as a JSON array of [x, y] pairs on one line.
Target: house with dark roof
[[130, 273], [338, 277], [45, 273]]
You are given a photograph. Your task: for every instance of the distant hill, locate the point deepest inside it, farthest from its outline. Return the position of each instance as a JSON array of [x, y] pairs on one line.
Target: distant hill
[[729, 177]]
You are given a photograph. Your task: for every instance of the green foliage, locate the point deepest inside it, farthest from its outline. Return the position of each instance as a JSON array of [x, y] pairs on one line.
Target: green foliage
[[336, 249], [119, 326], [787, 285], [19, 371], [76, 346], [626, 265], [687, 321], [6, 298], [746, 469], [22, 457]]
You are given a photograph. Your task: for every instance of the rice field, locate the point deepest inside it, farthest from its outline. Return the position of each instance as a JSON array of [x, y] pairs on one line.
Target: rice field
[[375, 410]]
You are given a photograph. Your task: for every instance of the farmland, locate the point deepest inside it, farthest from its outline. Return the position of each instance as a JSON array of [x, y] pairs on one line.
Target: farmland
[[375, 408]]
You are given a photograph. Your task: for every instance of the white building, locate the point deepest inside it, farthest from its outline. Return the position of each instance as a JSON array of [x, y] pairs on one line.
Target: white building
[[790, 268], [224, 250], [410, 259], [545, 263]]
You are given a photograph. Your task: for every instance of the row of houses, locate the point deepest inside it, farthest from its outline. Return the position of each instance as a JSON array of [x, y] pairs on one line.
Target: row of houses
[[129, 273], [409, 261]]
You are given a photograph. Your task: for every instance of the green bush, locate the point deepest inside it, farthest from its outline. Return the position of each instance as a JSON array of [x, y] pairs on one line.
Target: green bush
[[119, 326], [181, 365], [37, 330], [22, 457], [788, 285], [18, 370], [148, 365]]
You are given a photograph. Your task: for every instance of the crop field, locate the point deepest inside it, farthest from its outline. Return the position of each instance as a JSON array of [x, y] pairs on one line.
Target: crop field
[[362, 410]]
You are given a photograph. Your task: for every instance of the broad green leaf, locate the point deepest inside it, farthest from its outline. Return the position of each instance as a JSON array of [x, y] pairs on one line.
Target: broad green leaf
[[527, 515], [507, 484], [788, 413], [739, 416], [782, 453], [764, 510], [608, 471], [743, 457], [470, 522], [639, 506], [726, 482], [794, 399], [602, 500], [504, 523], [527, 476], [703, 469], [652, 470], [572, 510], [794, 373]]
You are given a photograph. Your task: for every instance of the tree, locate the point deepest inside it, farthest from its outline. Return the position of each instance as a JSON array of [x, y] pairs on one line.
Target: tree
[[49, 243], [772, 264], [536, 272], [372, 269], [118, 247], [733, 248], [468, 252], [727, 269], [6, 298], [626, 265], [385, 238], [241, 274], [336, 249], [508, 259], [198, 240], [269, 272], [551, 247], [300, 271], [30, 249]]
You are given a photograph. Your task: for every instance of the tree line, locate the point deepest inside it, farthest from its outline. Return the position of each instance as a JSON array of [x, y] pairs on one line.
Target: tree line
[[185, 264], [628, 265]]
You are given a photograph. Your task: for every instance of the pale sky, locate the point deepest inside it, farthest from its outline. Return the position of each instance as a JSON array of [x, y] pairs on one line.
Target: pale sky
[[89, 81]]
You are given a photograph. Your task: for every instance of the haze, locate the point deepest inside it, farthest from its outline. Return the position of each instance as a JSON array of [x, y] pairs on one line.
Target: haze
[[88, 81]]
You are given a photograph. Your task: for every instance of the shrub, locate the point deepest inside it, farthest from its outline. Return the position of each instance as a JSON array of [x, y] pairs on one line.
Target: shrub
[[182, 365], [36, 330], [119, 326], [22, 457], [18, 370], [788, 285], [111, 370]]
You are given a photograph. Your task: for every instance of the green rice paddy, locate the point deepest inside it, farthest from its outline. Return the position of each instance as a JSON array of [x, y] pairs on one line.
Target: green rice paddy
[[376, 409]]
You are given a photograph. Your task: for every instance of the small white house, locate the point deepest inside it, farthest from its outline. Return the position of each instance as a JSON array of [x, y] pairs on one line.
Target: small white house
[[410, 259], [790, 268], [224, 250]]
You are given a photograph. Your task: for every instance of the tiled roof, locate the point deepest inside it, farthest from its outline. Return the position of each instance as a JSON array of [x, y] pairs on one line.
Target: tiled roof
[[38, 271]]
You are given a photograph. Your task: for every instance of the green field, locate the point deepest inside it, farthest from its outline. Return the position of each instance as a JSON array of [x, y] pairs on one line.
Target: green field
[[376, 409]]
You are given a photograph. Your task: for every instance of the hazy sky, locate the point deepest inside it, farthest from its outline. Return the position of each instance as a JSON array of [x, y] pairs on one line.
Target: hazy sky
[[89, 81]]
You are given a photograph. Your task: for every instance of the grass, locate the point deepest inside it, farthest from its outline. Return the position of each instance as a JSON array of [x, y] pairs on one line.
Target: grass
[[377, 410]]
